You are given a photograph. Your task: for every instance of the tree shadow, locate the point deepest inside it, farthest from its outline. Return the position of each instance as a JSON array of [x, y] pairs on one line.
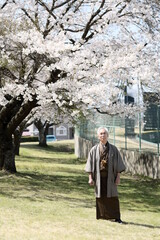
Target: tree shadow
[[71, 185], [140, 194], [53, 159], [68, 148], [41, 187], [141, 225]]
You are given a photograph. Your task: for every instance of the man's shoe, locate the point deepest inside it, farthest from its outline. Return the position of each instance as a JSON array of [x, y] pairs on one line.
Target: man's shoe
[[118, 221]]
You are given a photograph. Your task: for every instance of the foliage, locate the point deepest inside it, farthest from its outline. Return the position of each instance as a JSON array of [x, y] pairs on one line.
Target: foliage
[[29, 139], [112, 43]]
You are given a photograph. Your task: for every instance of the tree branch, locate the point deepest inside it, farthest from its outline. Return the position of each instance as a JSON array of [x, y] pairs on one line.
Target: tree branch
[[7, 109], [4, 4], [24, 110], [46, 7], [55, 76], [35, 23], [62, 4], [88, 25], [6, 72]]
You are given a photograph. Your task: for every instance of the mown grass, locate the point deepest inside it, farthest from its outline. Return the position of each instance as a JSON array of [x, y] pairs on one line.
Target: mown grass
[[49, 199]]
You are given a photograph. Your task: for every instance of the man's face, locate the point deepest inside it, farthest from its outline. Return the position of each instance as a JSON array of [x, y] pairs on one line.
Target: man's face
[[103, 136]]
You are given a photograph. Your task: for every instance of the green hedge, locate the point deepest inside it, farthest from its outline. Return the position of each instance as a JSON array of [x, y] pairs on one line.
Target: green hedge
[[29, 139]]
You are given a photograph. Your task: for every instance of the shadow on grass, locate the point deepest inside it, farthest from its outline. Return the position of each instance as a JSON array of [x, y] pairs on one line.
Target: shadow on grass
[[141, 225], [57, 147], [53, 154], [140, 194], [135, 194], [40, 187], [71, 185], [54, 159]]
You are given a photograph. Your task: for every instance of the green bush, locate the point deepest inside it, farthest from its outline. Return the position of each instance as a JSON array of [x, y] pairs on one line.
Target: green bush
[[29, 139]]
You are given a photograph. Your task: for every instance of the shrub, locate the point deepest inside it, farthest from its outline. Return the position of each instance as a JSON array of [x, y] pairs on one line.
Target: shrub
[[29, 139]]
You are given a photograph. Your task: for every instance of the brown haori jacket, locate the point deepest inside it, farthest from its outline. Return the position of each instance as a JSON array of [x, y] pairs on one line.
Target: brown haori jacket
[[115, 165]]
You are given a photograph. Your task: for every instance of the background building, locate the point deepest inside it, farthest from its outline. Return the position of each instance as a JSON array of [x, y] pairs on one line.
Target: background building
[[61, 132]]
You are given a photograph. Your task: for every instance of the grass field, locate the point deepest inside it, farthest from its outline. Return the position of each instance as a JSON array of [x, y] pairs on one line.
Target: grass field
[[49, 199]]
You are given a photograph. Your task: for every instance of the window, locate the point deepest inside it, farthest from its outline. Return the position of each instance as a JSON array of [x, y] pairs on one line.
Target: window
[[61, 131]]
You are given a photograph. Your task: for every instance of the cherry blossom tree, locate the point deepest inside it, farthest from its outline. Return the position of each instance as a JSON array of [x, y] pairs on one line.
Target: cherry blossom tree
[[50, 114], [72, 53]]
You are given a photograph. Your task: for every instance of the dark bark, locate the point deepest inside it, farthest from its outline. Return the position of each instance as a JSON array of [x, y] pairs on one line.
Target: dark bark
[[17, 139], [18, 133], [10, 117], [7, 156], [43, 130], [42, 138]]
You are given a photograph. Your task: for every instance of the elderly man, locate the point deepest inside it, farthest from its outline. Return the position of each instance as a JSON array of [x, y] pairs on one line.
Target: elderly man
[[104, 166]]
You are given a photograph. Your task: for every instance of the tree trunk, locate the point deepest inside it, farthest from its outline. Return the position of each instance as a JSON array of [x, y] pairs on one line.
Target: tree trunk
[[42, 138], [43, 130], [17, 139], [19, 131], [7, 155]]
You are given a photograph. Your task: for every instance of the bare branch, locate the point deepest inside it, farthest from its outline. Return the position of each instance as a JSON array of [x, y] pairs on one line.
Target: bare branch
[[48, 10], [88, 25], [80, 4], [69, 7], [73, 30], [62, 4], [47, 29], [32, 20], [108, 112], [35, 22], [4, 4], [36, 16], [121, 10]]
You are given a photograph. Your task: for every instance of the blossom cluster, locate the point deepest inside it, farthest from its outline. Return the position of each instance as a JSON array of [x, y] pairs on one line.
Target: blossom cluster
[[79, 56]]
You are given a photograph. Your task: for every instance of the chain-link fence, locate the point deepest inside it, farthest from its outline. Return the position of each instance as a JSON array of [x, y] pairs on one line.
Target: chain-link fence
[[141, 133]]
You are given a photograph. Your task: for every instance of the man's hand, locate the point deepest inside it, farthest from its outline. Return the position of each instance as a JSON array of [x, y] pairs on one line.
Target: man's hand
[[117, 181], [91, 182]]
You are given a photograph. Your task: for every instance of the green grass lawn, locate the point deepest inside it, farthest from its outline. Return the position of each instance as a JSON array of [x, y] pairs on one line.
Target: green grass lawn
[[49, 199]]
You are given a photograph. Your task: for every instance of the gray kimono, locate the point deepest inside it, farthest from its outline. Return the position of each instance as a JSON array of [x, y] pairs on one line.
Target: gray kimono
[[115, 165]]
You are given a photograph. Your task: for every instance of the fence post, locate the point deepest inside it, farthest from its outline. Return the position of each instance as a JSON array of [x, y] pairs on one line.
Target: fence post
[[140, 134], [158, 119]]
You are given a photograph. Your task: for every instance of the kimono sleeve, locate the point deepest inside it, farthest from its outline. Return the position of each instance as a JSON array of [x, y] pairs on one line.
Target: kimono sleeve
[[89, 164], [120, 165]]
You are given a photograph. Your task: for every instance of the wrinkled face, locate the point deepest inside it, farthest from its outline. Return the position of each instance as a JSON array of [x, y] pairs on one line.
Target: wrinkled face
[[103, 136]]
